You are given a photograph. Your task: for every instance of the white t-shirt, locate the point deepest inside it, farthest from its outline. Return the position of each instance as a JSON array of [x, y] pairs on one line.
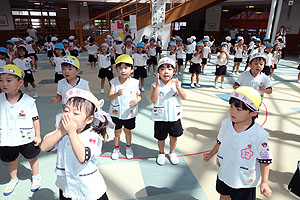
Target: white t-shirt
[[189, 49], [179, 54], [139, 59], [16, 121], [251, 45], [240, 155], [63, 86], [152, 51], [239, 52], [58, 61], [233, 33], [118, 48], [104, 61], [276, 57], [222, 60], [168, 106], [196, 59], [79, 180], [48, 45], [30, 48], [2, 63], [206, 51], [91, 48], [23, 63], [269, 59], [173, 55], [246, 79], [119, 107]]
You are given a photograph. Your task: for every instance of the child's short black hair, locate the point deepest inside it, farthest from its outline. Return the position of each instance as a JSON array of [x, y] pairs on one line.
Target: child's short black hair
[[91, 39], [127, 64], [23, 48], [119, 42], [240, 104], [259, 59], [63, 53]]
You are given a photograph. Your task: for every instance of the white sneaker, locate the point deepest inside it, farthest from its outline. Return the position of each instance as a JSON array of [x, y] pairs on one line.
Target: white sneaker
[[10, 187], [161, 159], [179, 73], [203, 73], [115, 154], [129, 153], [102, 91], [154, 73], [197, 85], [299, 81], [216, 86], [176, 73], [236, 73], [149, 74], [272, 79], [222, 87], [142, 89], [36, 184], [36, 95], [192, 85], [173, 158]]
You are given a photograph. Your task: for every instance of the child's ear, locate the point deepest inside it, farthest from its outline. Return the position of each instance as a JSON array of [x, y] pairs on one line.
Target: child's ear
[[89, 119], [21, 82], [254, 113]]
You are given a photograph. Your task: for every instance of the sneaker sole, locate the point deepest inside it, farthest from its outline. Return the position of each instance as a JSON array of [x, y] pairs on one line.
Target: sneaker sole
[[36, 189], [8, 193]]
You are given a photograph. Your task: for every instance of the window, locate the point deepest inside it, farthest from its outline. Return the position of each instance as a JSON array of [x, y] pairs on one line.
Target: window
[[16, 12], [52, 13], [45, 13], [35, 13], [179, 26]]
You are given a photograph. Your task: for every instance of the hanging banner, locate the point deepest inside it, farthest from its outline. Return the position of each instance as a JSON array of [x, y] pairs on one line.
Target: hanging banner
[[158, 17], [117, 28]]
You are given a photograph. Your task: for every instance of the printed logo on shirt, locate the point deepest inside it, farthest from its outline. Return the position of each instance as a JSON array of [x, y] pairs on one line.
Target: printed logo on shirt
[[91, 140], [22, 115], [115, 112], [247, 153], [161, 94]]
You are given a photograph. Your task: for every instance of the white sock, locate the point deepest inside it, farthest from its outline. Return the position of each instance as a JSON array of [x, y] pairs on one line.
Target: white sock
[[36, 177]]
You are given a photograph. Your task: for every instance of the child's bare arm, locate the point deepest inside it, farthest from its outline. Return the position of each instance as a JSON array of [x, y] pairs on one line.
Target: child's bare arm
[[56, 99], [52, 61], [37, 128], [50, 141], [208, 156], [112, 95], [155, 90], [181, 92], [264, 186]]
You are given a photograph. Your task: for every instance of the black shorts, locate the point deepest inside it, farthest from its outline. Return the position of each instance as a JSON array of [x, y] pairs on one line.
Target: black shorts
[[249, 52], [298, 67], [112, 60], [220, 70], [188, 57], [34, 55], [158, 50], [152, 60], [9, 154], [127, 123], [235, 194], [180, 61], [162, 129], [74, 53], [204, 61], [117, 55], [92, 58], [266, 70], [49, 53], [275, 66], [61, 196], [238, 60], [58, 77], [140, 72], [195, 68], [106, 72], [28, 76], [248, 59]]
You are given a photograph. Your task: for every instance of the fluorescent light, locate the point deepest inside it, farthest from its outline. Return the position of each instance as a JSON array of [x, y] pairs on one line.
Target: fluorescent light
[[258, 12], [251, 6], [37, 3], [225, 10], [64, 8]]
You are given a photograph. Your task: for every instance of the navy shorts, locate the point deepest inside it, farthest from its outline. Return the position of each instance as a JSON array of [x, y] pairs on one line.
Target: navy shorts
[[58, 77], [220, 70], [266, 70], [92, 58], [152, 60], [204, 61], [195, 68], [180, 61], [106, 72], [34, 55], [9, 154], [188, 57], [162, 129], [28, 76], [127, 123], [140, 72], [235, 194], [238, 60]]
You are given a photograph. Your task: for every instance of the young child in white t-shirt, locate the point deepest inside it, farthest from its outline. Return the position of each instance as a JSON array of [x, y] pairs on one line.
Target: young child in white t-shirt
[[243, 153], [70, 70], [78, 145], [20, 127], [189, 50], [139, 64], [205, 54], [195, 67], [59, 54], [222, 61], [92, 48]]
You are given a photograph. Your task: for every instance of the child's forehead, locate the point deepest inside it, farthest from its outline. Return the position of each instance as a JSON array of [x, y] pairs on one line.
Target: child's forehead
[[8, 76], [166, 66]]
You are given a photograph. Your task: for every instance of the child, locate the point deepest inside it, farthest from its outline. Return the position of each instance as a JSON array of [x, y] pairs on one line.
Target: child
[[167, 109], [179, 55], [151, 49], [4, 58], [92, 48], [205, 54], [238, 57], [56, 61], [172, 49], [243, 153], [265, 42], [12, 54], [25, 63], [78, 146], [276, 58], [48, 44], [195, 67], [118, 47], [128, 47], [229, 45], [20, 127], [70, 69], [72, 44], [32, 51], [249, 51], [139, 63], [299, 72], [124, 96], [67, 49], [221, 62], [269, 59], [254, 78], [104, 63], [189, 51], [159, 46]]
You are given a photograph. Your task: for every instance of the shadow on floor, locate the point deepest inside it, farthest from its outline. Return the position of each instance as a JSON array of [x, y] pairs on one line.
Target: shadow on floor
[[23, 173], [44, 193]]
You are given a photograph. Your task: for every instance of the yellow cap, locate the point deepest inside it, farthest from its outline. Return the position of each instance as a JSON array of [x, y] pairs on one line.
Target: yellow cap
[[12, 69], [72, 61], [248, 95], [124, 58]]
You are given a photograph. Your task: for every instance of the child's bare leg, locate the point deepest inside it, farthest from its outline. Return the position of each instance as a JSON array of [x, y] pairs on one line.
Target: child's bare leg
[[117, 137], [225, 197], [128, 136], [238, 66], [149, 67], [34, 164], [233, 68], [197, 78], [173, 143], [154, 66], [142, 82], [32, 84], [102, 83], [202, 70], [272, 72], [161, 146], [299, 76], [216, 78], [222, 78], [13, 169], [192, 77]]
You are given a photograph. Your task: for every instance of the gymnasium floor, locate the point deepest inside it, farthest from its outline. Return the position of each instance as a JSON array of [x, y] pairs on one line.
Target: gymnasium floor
[[205, 107]]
